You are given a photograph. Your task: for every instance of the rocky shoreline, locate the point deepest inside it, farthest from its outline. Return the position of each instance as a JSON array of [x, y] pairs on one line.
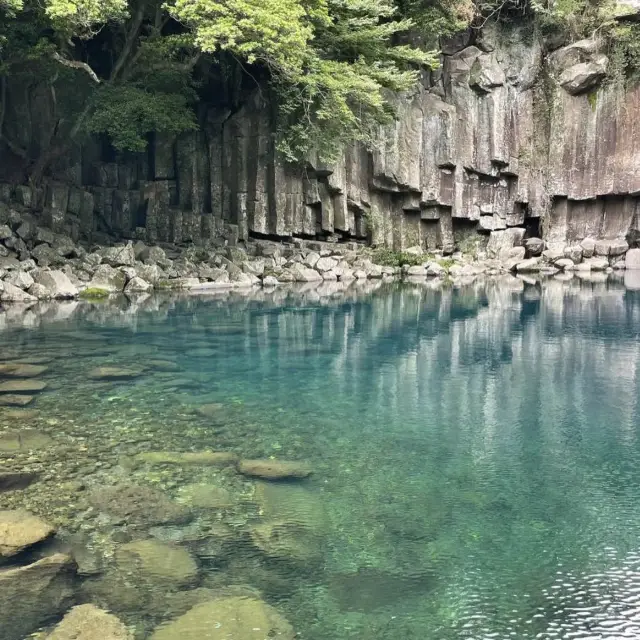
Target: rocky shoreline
[[38, 264]]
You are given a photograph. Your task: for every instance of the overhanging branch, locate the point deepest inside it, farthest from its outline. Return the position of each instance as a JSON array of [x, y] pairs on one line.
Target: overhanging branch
[[75, 64]]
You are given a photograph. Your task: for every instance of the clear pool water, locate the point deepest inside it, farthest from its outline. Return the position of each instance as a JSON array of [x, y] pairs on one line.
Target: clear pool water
[[475, 453]]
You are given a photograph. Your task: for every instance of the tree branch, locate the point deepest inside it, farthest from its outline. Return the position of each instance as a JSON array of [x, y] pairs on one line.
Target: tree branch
[[132, 36], [76, 64]]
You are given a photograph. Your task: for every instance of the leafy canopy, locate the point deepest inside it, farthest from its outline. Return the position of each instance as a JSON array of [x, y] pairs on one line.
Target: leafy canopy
[[330, 63]]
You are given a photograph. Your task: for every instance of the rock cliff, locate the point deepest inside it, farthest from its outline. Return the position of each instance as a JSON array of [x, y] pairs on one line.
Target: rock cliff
[[507, 133]]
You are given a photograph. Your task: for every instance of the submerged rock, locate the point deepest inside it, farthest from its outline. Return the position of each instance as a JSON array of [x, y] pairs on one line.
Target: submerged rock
[[225, 618], [114, 373], [19, 530], [21, 370], [88, 622], [139, 505], [288, 541], [207, 458], [23, 440], [22, 386], [15, 481], [15, 400], [154, 559], [206, 496], [33, 595], [274, 469]]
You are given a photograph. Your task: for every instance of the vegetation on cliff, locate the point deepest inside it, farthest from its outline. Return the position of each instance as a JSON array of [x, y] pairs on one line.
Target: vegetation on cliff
[[129, 68], [125, 69]]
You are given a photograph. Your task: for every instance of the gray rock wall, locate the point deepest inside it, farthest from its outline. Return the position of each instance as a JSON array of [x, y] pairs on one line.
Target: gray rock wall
[[506, 134]]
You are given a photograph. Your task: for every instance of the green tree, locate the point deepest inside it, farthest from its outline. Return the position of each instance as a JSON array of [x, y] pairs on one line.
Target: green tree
[[126, 68]]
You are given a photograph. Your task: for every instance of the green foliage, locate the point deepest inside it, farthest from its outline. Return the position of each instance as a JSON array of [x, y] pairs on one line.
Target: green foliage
[[94, 293], [390, 258], [128, 113], [341, 95], [274, 32]]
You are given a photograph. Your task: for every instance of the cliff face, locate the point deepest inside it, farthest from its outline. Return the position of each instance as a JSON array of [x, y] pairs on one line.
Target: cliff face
[[505, 134]]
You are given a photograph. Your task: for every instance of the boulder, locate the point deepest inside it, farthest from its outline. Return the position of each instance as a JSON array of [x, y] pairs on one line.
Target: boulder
[[531, 265], [301, 273], [169, 564], [108, 279], [33, 595], [584, 76], [416, 270], [565, 264], [588, 247], [20, 279], [602, 247], [270, 281], [122, 256], [574, 253], [501, 241], [632, 259], [152, 255], [149, 272], [88, 622], [39, 291], [311, 258], [19, 530], [46, 256], [56, 282], [11, 293], [435, 269], [618, 247], [325, 264], [598, 264], [241, 618], [137, 284], [274, 469], [534, 246]]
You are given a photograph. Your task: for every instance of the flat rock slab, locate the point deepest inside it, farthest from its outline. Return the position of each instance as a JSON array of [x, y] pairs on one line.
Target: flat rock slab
[[22, 386], [152, 559], [15, 481], [224, 618], [21, 370], [205, 458], [88, 622], [200, 496], [15, 400], [23, 440], [114, 373], [32, 595], [140, 505], [274, 469], [20, 529]]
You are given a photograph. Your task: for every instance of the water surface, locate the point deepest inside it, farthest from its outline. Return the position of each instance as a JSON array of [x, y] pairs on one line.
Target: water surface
[[475, 453]]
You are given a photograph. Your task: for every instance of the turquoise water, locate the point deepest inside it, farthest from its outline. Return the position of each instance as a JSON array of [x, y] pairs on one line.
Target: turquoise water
[[475, 454]]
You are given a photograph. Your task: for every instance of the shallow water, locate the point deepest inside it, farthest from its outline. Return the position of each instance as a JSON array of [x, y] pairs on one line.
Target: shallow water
[[475, 453]]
